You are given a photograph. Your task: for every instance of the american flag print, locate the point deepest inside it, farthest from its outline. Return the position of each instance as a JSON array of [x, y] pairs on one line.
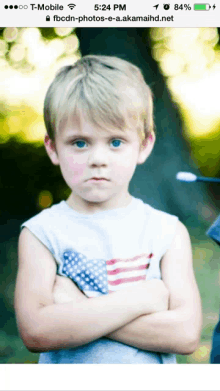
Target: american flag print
[[96, 277]]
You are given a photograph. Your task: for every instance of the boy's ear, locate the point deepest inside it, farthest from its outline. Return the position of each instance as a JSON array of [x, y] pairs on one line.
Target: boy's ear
[[51, 150], [146, 148]]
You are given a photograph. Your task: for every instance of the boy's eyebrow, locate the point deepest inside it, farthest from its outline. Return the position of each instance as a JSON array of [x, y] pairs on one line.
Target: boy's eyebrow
[[76, 134]]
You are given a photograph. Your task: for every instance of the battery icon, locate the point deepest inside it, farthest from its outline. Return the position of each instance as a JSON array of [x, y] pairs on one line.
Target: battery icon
[[202, 7]]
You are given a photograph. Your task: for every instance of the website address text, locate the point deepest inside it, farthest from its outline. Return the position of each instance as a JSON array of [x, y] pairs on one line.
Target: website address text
[[127, 18]]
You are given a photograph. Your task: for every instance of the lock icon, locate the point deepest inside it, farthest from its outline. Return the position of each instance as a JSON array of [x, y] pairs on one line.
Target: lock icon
[[47, 18]]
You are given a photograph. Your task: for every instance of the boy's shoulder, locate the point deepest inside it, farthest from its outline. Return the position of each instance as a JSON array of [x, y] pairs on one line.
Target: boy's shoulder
[[160, 225], [157, 213], [46, 214], [161, 228], [46, 224]]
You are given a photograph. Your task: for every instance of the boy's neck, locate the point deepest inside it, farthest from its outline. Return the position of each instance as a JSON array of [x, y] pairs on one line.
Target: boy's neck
[[86, 207]]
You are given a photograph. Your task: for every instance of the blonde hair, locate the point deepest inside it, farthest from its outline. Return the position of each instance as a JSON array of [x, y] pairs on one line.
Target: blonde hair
[[107, 91]]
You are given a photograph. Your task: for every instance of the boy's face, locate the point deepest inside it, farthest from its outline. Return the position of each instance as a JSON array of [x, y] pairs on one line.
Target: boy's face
[[97, 164]]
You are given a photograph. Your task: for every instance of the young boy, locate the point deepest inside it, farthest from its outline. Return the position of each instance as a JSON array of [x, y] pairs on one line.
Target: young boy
[[113, 307]]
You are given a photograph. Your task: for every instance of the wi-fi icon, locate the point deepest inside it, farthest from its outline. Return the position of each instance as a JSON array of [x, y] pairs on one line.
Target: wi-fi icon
[[71, 6]]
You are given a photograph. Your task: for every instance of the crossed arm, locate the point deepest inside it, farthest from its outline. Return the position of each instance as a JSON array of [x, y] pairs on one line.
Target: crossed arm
[[176, 330], [137, 316]]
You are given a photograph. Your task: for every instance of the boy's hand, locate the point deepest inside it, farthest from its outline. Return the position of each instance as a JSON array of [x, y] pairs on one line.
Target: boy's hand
[[152, 296], [65, 290]]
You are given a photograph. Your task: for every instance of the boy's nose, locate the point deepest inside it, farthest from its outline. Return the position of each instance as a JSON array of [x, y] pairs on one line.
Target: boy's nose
[[98, 157]]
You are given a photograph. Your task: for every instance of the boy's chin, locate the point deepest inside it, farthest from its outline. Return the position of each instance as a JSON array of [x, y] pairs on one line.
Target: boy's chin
[[96, 199]]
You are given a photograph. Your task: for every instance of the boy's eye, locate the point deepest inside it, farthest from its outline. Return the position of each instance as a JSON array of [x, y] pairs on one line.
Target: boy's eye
[[116, 143], [80, 143]]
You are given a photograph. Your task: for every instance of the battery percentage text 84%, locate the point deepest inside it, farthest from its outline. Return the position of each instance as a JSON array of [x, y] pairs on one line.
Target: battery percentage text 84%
[[181, 7]]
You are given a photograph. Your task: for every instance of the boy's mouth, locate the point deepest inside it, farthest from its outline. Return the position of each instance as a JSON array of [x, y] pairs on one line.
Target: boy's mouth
[[98, 179]]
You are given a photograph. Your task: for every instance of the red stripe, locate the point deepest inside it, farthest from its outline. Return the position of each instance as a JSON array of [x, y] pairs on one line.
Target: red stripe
[[113, 261], [123, 280], [124, 269]]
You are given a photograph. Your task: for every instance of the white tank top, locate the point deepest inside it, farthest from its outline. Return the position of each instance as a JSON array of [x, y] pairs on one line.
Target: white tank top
[[101, 253]]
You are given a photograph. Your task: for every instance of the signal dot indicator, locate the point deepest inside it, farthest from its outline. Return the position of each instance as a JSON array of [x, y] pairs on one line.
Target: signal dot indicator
[[12, 6]]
